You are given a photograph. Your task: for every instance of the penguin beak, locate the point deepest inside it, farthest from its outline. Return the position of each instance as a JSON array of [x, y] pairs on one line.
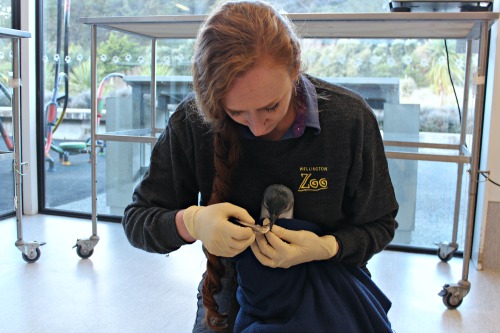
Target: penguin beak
[[262, 229]]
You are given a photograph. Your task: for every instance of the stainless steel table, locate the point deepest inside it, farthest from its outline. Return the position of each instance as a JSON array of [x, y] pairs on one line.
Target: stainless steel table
[[469, 26]]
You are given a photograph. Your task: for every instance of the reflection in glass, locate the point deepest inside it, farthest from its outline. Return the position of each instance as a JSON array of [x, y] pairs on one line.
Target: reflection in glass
[[6, 135]]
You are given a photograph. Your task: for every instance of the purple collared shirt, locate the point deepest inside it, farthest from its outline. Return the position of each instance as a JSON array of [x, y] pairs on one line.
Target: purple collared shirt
[[308, 113]]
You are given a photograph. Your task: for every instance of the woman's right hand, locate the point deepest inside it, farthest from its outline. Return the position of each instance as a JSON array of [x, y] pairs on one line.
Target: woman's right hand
[[212, 227]]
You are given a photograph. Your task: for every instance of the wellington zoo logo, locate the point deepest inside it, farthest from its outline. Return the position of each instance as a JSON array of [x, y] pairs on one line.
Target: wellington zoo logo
[[310, 183]]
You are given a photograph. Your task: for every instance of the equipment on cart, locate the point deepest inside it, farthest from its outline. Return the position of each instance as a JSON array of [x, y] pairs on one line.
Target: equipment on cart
[[63, 11], [60, 102], [3, 131], [440, 6], [57, 101]]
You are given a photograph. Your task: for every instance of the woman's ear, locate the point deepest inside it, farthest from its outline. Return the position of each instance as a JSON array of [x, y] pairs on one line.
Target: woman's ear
[[296, 73]]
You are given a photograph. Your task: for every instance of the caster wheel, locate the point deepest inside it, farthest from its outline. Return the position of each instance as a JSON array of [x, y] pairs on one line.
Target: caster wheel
[[451, 302], [32, 260], [83, 253], [445, 258]]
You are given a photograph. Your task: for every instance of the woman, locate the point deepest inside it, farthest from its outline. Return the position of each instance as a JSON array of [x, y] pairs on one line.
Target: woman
[[254, 120]]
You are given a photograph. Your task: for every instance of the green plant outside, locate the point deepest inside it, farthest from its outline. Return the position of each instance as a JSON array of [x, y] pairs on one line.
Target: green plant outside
[[418, 63]]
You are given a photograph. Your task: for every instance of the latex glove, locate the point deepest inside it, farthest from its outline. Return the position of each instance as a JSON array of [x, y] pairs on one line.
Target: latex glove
[[285, 248], [211, 225]]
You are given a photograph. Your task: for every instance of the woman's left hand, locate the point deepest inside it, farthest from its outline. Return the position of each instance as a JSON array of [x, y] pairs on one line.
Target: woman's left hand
[[285, 248]]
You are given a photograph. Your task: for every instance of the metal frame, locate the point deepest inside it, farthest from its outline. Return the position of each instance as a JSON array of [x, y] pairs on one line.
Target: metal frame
[[30, 250], [466, 25]]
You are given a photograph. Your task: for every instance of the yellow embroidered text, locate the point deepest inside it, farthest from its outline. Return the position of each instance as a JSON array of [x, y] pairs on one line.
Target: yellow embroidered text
[[311, 184]]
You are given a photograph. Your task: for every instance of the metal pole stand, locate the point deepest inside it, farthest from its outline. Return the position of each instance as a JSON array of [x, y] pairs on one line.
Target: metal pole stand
[[30, 250], [453, 294], [85, 247]]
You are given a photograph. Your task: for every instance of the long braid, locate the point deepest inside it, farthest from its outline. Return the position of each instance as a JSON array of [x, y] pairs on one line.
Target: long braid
[[211, 286], [225, 160], [232, 40]]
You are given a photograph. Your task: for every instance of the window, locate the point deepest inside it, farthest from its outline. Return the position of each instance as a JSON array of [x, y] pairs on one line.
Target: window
[[407, 84], [396, 77], [6, 141]]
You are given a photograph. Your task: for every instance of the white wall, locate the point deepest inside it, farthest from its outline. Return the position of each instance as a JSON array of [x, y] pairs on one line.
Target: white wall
[[490, 155]]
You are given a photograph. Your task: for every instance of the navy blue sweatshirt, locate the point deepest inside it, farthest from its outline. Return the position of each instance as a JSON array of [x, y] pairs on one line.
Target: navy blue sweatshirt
[[339, 177]]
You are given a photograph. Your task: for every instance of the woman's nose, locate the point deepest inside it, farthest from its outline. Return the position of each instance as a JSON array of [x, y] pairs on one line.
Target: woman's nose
[[257, 123]]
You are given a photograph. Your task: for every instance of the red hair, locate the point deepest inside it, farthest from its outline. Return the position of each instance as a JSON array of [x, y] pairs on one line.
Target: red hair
[[231, 41]]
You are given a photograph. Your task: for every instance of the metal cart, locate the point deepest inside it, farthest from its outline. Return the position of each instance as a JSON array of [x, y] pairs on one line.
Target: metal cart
[[30, 250], [453, 294], [469, 26]]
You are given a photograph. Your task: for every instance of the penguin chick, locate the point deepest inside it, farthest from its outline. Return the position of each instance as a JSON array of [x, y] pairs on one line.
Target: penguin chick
[[277, 202]]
